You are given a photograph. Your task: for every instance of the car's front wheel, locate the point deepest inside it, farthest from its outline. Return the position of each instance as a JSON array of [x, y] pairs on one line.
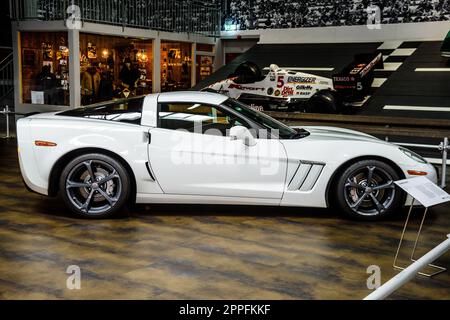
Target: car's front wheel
[[366, 190], [94, 186]]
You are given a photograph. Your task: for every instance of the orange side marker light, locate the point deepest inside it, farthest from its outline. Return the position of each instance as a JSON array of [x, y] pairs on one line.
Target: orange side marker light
[[40, 143], [417, 173]]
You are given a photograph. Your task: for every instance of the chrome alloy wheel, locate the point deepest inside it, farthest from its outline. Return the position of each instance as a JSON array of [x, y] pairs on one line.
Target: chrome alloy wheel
[[369, 191], [93, 186]]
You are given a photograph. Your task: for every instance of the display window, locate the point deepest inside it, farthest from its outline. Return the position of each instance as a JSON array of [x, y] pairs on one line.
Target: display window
[[176, 61], [204, 67], [45, 68], [114, 67]]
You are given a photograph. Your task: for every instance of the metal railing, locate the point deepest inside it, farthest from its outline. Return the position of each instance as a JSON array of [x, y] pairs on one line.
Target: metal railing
[[6, 76], [6, 112], [168, 15], [410, 272]]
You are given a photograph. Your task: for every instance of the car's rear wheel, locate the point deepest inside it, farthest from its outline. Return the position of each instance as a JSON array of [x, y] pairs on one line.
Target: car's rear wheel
[[324, 101], [366, 190], [94, 186]]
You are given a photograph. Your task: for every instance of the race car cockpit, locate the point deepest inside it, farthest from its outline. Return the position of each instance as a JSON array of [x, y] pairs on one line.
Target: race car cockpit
[[247, 72]]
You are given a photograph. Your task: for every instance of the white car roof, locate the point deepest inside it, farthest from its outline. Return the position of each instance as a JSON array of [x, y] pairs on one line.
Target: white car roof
[[192, 96]]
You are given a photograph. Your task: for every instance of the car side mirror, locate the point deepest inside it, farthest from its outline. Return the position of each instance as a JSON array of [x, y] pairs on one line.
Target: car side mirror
[[243, 134]]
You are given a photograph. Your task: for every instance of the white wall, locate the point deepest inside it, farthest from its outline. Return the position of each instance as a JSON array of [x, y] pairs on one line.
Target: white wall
[[404, 31], [232, 45], [237, 46]]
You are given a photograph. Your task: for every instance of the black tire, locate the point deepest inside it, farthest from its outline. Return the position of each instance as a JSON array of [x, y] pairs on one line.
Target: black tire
[[324, 101], [100, 199], [377, 199]]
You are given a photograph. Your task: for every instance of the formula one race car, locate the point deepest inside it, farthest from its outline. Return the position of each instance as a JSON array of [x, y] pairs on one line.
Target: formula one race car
[[287, 90]]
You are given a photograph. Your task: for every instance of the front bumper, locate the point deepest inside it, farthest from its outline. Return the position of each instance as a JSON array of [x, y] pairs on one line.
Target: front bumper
[[423, 167], [432, 173]]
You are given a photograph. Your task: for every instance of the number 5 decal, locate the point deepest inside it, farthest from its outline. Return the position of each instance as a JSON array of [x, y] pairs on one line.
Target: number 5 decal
[[280, 81]]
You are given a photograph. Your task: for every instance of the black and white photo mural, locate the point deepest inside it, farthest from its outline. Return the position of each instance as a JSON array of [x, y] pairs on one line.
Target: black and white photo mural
[[278, 14]]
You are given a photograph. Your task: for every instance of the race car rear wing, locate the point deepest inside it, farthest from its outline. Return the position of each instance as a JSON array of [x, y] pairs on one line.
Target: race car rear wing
[[355, 80]]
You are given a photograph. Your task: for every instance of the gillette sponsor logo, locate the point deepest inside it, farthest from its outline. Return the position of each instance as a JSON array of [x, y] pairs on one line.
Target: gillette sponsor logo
[[304, 87]]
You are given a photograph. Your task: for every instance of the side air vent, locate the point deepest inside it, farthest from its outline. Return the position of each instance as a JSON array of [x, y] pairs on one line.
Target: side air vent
[[150, 172], [306, 176]]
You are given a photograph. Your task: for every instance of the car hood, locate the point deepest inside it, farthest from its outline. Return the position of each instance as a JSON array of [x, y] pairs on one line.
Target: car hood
[[334, 133]]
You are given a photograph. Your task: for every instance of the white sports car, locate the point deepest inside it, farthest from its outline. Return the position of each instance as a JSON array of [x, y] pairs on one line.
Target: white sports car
[[199, 147]]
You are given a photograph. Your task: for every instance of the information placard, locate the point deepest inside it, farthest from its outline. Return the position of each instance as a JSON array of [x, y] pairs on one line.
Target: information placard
[[37, 97], [424, 191]]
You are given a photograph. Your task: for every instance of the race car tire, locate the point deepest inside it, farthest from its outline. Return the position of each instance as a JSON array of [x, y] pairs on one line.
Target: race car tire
[[324, 101]]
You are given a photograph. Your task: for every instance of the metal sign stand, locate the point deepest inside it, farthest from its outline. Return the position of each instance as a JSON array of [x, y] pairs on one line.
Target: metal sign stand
[[438, 269]]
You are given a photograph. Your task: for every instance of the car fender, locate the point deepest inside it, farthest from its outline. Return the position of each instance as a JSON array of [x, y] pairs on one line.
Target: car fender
[[332, 154], [126, 140]]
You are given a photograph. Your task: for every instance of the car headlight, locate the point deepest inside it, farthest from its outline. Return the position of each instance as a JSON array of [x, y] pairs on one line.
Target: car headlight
[[413, 155]]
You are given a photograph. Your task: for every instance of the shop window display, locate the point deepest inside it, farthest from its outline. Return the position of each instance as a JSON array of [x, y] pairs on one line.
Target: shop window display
[[176, 64], [114, 67], [204, 67], [45, 68]]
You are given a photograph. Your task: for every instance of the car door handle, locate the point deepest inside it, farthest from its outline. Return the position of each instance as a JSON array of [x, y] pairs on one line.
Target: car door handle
[[148, 137]]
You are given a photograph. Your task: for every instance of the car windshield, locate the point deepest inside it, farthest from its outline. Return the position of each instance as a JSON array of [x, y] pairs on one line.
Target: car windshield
[[284, 132]]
